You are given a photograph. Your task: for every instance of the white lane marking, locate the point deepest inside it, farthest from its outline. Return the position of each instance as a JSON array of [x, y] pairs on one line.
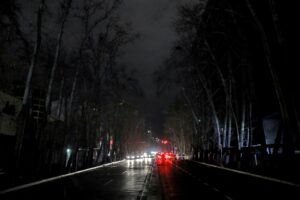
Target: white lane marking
[[124, 172], [227, 197], [108, 182], [249, 174], [143, 193], [55, 178], [201, 181]]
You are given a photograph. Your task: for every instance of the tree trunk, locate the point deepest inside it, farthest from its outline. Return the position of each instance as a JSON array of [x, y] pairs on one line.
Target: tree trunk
[[225, 124], [73, 89], [214, 112], [229, 134], [24, 114], [288, 148], [60, 99], [243, 134], [57, 52], [249, 133]]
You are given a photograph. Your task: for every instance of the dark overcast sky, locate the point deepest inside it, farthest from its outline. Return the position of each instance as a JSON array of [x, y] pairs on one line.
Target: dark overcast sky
[[152, 19]]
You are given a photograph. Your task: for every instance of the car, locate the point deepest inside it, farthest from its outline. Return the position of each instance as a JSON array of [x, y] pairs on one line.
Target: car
[[130, 157], [164, 158]]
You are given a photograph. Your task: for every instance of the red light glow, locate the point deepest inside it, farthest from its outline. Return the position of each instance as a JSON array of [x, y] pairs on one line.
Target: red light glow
[[164, 141]]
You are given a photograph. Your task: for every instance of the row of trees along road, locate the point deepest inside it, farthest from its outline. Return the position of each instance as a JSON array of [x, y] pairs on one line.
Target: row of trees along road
[[230, 61], [69, 51]]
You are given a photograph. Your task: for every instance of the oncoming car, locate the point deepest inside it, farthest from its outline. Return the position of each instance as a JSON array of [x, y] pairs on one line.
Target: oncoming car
[[130, 157], [138, 156]]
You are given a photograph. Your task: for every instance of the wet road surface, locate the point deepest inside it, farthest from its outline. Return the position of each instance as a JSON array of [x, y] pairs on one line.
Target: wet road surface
[[125, 180], [178, 183], [143, 179], [195, 180]]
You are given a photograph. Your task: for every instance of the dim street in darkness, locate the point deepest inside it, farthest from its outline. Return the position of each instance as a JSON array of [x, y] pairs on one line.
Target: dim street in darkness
[[123, 180], [145, 179], [149, 99]]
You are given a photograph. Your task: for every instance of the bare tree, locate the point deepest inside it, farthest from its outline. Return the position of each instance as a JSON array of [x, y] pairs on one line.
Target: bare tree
[[24, 114], [66, 6], [288, 149]]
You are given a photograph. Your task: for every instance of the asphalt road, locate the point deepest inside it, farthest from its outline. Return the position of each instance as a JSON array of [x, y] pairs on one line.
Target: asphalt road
[[178, 183], [144, 179], [125, 180], [195, 180]]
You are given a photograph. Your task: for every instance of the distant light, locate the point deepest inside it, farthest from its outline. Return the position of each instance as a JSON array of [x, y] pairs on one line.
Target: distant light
[[164, 141], [68, 150]]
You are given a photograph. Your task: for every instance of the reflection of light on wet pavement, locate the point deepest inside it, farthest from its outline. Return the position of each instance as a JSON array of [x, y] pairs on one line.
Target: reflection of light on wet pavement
[[136, 171], [165, 169], [129, 163], [168, 181], [148, 160], [141, 162]]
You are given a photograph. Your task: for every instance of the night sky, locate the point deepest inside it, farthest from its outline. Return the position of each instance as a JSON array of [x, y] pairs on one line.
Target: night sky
[[153, 20]]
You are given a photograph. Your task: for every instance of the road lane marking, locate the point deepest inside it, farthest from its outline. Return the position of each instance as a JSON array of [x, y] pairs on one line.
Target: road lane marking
[[124, 172], [143, 193], [56, 178], [201, 181], [249, 174], [108, 182], [227, 197]]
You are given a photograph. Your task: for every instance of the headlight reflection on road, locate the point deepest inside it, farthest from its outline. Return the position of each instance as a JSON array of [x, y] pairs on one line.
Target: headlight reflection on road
[[148, 160], [129, 162]]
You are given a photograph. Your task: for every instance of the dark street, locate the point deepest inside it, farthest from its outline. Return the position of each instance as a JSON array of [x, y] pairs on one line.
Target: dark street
[[149, 99], [124, 180], [144, 179]]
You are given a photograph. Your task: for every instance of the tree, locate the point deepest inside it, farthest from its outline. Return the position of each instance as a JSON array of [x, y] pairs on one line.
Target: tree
[[84, 78], [66, 6], [24, 114], [215, 59]]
